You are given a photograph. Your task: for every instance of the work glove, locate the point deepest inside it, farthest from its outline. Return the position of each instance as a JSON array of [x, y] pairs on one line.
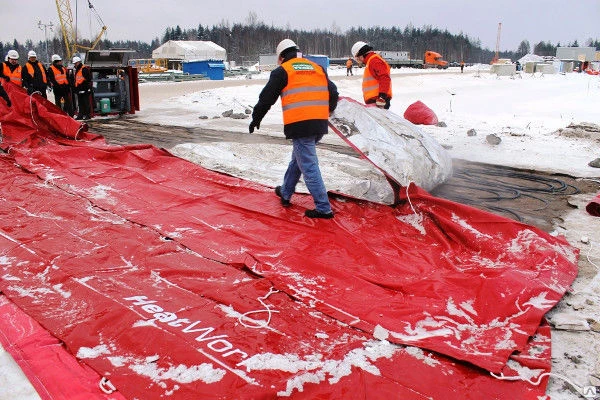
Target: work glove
[[253, 124], [383, 101]]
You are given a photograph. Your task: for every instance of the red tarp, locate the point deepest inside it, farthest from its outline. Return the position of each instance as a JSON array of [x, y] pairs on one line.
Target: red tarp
[[419, 114], [145, 265], [593, 206], [51, 369]]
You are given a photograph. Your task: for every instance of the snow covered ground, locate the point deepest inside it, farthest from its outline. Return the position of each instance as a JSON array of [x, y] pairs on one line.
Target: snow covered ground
[[527, 112]]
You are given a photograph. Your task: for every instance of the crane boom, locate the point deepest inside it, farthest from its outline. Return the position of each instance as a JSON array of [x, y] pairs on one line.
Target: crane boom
[[497, 55], [65, 15], [66, 23]]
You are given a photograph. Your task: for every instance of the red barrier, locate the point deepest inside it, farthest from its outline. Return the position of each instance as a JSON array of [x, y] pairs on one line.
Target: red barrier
[[161, 274]]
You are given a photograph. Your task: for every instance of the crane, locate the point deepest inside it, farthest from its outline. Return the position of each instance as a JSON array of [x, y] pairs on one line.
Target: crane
[[69, 32], [496, 56]]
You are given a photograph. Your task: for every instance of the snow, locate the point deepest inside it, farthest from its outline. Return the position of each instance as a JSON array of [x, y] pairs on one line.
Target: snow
[[527, 112]]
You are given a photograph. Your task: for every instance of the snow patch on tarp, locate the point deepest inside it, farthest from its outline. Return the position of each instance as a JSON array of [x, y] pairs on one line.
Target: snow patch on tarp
[[450, 284]]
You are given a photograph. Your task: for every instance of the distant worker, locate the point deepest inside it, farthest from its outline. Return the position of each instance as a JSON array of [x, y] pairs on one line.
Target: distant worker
[[34, 75], [57, 77], [83, 88], [307, 98], [11, 72], [349, 64], [462, 66], [377, 83]]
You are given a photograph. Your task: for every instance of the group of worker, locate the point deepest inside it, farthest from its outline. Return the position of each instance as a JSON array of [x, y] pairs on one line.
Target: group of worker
[[307, 98], [62, 81]]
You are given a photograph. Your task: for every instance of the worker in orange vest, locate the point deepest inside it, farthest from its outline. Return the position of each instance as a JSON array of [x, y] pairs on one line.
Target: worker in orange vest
[[307, 98], [83, 88], [57, 77], [377, 83], [11, 71], [34, 75], [349, 64]]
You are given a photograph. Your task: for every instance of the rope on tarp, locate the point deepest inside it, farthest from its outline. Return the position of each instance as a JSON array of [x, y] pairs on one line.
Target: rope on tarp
[[256, 324]]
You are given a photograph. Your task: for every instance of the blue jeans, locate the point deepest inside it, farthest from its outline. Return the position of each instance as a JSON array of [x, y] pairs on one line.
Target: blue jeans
[[305, 162]]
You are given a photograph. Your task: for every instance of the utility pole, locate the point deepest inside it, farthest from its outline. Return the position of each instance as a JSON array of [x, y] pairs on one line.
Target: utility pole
[[45, 28]]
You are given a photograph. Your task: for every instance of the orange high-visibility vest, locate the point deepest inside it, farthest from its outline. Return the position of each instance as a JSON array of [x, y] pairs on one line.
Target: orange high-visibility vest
[[32, 72], [370, 86], [306, 95], [60, 75], [79, 79], [348, 63], [15, 76]]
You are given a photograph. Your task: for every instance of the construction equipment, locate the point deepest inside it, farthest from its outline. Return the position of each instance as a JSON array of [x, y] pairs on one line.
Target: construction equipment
[[149, 66], [496, 56], [398, 59], [69, 32], [115, 83]]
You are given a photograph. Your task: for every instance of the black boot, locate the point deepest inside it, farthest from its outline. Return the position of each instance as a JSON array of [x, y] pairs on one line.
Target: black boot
[[318, 214], [284, 202]]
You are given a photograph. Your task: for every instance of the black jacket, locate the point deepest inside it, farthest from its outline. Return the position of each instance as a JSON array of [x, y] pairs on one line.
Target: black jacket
[[3, 93], [272, 90], [35, 82]]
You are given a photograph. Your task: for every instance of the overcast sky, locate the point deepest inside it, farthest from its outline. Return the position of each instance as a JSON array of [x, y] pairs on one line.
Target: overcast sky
[[534, 20]]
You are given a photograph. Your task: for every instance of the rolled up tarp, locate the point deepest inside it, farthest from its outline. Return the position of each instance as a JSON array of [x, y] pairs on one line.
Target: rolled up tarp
[[594, 206]]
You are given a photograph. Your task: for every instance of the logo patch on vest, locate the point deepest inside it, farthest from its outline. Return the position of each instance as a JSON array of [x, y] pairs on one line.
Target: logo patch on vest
[[301, 66]]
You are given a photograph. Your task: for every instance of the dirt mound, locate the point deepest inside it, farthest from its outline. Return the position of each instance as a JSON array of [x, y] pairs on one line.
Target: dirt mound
[[583, 130]]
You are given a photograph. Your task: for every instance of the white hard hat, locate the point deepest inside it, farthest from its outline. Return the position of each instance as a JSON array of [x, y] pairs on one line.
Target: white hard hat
[[31, 54], [56, 57], [356, 48], [76, 59], [284, 45], [13, 54]]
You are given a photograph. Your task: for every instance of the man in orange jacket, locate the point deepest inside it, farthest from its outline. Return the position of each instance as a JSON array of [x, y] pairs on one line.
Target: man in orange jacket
[[307, 98], [349, 64], [377, 83], [57, 76], [83, 88], [34, 75], [11, 71]]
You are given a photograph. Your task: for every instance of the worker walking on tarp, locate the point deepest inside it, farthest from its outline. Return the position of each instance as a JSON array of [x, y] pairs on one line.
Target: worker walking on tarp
[[377, 83], [11, 71], [83, 88], [57, 77], [349, 64], [34, 75], [307, 98]]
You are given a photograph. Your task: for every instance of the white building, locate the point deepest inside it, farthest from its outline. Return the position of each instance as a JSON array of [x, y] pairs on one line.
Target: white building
[[190, 50]]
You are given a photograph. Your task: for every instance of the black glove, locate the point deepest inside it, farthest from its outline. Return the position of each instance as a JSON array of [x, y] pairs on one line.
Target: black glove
[[383, 101], [6, 78], [253, 124]]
